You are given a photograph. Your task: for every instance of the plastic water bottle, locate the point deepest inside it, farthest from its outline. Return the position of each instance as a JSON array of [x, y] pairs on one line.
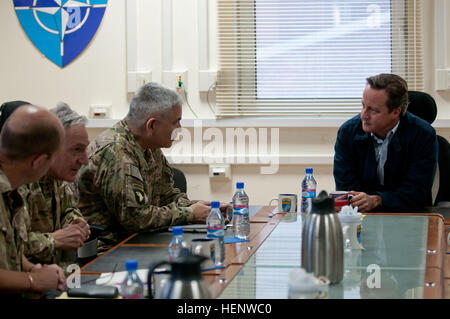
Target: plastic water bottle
[[177, 244], [241, 220], [309, 186], [132, 286], [216, 229]]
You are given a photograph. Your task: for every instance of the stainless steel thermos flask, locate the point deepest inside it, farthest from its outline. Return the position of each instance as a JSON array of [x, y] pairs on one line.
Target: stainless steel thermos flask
[[322, 240], [185, 280]]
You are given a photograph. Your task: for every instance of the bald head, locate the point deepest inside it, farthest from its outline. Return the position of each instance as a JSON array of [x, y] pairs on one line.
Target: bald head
[[29, 131]]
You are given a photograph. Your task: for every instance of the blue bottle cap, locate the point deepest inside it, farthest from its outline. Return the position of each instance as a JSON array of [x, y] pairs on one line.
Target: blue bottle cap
[[239, 185], [131, 264], [215, 204], [177, 230], [309, 170]]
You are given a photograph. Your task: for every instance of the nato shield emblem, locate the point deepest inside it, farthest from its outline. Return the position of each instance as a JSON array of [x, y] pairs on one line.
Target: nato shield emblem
[[60, 29]]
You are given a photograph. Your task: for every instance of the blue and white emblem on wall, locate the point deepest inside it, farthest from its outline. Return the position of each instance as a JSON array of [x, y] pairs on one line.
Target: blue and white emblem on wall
[[60, 29]]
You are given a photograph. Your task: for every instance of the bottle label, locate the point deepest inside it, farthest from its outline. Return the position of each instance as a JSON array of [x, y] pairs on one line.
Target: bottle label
[[216, 232], [240, 210], [308, 193]]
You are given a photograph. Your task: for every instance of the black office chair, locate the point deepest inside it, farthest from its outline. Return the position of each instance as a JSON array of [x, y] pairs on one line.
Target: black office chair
[[443, 195], [424, 106], [179, 180]]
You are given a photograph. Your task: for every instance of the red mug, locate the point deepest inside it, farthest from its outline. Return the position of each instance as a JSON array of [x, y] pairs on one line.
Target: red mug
[[341, 198]]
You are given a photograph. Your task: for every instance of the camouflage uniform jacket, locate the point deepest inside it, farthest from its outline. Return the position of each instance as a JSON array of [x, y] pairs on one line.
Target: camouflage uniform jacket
[[128, 189], [13, 226], [51, 206]]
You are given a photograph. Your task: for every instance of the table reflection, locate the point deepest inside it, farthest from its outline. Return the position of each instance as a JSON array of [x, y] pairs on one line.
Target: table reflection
[[391, 265]]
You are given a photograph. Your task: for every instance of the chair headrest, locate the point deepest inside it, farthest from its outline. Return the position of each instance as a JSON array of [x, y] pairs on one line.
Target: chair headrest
[[422, 105]]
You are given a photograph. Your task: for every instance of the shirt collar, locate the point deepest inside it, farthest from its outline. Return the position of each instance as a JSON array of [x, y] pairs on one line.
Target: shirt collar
[[130, 137], [388, 135]]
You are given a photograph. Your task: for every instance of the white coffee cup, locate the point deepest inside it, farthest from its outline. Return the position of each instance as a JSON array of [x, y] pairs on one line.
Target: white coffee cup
[[287, 203]]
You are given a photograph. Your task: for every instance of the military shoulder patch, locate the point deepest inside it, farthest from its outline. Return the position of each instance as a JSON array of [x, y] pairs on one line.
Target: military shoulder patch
[[139, 196]]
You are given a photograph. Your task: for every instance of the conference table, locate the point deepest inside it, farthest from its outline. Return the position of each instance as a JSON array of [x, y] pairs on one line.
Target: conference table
[[409, 250]]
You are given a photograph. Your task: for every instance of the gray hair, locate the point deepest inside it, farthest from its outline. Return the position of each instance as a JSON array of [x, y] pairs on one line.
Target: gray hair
[[67, 116], [152, 99]]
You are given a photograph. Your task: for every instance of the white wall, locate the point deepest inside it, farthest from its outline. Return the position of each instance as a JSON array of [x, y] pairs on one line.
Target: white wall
[[99, 76]]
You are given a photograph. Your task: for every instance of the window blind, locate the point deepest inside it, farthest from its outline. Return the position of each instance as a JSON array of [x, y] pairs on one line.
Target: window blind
[[311, 57]]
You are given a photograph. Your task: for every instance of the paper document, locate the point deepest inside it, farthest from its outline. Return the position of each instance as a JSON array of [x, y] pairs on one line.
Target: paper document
[[110, 279]]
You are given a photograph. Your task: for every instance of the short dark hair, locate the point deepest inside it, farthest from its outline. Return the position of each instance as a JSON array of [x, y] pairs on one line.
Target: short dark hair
[[396, 89], [42, 137]]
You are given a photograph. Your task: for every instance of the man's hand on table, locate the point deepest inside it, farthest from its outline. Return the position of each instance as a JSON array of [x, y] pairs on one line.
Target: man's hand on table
[[72, 236], [202, 208], [364, 201], [47, 277]]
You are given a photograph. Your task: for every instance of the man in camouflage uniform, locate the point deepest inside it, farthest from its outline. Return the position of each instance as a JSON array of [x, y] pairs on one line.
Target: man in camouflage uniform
[[57, 227], [27, 142], [128, 185]]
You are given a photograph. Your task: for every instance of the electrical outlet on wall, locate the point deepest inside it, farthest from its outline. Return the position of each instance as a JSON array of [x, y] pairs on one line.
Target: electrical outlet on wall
[[172, 79], [100, 111], [220, 171], [137, 79]]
